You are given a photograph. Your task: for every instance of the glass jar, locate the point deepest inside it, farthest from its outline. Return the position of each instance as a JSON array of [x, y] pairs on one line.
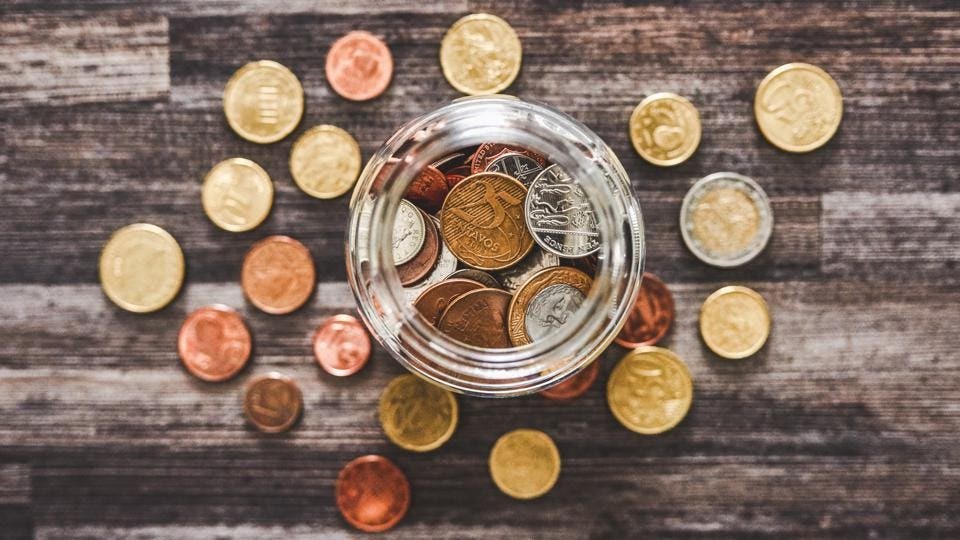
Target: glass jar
[[388, 311]]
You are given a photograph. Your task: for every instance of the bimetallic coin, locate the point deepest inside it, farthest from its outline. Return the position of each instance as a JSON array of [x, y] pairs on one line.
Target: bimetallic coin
[[560, 216], [141, 268], [409, 233], [433, 301], [482, 221], [445, 266], [273, 403], [487, 153], [359, 66], [735, 322], [525, 463], [278, 274], [478, 318], [214, 343], [372, 493], [665, 129], [519, 166], [325, 162], [551, 311], [575, 386], [237, 194], [263, 101], [651, 316], [477, 275], [798, 107], [480, 54], [650, 390], [416, 415], [420, 265], [514, 277], [341, 345], [726, 219]]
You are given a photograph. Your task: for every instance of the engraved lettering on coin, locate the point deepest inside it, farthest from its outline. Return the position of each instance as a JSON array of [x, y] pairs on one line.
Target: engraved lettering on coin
[[650, 390], [519, 166], [325, 162], [480, 54], [735, 322], [263, 101], [487, 153], [273, 402], [445, 266], [237, 194], [409, 233], [423, 262], [560, 216], [525, 463], [551, 309], [435, 299], [665, 129], [417, 415], [798, 107], [523, 298], [141, 268], [214, 343], [478, 318], [514, 277], [359, 66]]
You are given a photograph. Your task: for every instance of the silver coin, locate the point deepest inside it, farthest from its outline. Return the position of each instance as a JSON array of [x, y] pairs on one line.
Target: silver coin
[[560, 216], [726, 219], [446, 265], [515, 276], [550, 309], [523, 168], [409, 232], [477, 275]]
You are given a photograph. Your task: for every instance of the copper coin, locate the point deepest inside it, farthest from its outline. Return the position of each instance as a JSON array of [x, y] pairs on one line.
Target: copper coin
[[386, 169], [214, 343], [575, 386], [478, 318], [278, 274], [372, 493], [341, 345], [651, 315], [359, 66], [273, 402], [420, 265], [488, 152], [434, 300], [428, 189]]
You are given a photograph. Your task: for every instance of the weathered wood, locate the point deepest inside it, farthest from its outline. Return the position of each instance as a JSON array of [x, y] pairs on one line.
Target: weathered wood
[[183, 8]]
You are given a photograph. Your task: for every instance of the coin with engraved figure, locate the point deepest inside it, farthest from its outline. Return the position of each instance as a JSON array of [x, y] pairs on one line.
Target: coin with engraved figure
[[423, 262], [359, 66], [735, 322], [372, 493], [237, 194], [650, 317], [665, 129], [514, 277], [798, 107], [650, 390], [278, 274], [522, 167], [214, 343], [575, 386], [433, 301], [325, 162], [478, 318], [525, 463], [273, 402], [553, 310], [487, 153], [141, 268], [480, 54], [560, 216], [477, 275], [341, 345], [409, 233], [263, 101], [417, 415]]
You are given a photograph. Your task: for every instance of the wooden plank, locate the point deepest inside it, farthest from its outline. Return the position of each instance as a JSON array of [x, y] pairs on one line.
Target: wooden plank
[[236, 7], [14, 483]]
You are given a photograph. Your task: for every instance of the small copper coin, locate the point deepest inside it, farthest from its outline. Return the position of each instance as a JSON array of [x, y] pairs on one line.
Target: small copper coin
[[341, 345], [372, 493], [651, 316], [428, 189], [273, 403], [420, 265], [434, 300], [359, 66], [214, 343], [479, 318], [575, 386], [487, 153], [278, 274]]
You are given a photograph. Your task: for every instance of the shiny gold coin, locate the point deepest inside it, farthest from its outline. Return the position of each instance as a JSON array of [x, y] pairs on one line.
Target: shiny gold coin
[[237, 194], [141, 268], [665, 129], [798, 107], [417, 415], [525, 463], [325, 162], [480, 54], [546, 303], [650, 390], [735, 322], [263, 101]]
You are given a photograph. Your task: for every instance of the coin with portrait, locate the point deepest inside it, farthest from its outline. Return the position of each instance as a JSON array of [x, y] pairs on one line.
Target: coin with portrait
[[550, 299]]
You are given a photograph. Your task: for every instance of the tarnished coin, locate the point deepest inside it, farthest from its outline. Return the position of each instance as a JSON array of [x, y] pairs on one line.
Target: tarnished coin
[[650, 390], [525, 463], [798, 107], [273, 402], [433, 301], [560, 216], [237, 194], [665, 129], [478, 318], [522, 167], [482, 221], [409, 233], [359, 66], [445, 266], [372, 493], [735, 322], [341, 345], [477, 275], [214, 343], [575, 386], [514, 277], [428, 189], [141, 268], [420, 265], [263, 101], [278, 274], [325, 162], [480, 54], [417, 415], [487, 153], [542, 311], [650, 317], [726, 219]]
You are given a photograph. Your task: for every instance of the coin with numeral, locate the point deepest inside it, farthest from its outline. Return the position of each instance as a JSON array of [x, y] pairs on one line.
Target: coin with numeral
[[665, 129], [141, 268], [650, 390], [263, 101], [325, 162], [798, 107], [237, 194]]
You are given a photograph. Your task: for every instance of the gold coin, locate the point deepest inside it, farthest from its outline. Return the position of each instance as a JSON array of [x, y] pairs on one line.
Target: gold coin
[[237, 194], [417, 415], [325, 162], [480, 54], [735, 322], [141, 268], [798, 107], [536, 311], [650, 390], [525, 463], [665, 129], [263, 101]]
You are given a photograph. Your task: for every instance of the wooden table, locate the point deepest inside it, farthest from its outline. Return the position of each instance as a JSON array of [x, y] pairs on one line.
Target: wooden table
[[846, 424]]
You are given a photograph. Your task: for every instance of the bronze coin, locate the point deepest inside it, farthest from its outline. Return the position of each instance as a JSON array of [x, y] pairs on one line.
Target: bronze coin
[[428, 189], [420, 265], [478, 318], [214, 343], [341, 345], [650, 317], [359, 66], [278, 274], [372, 493], [487, 153], [434, 300], [477, 275], [555, 312], [576, 386], [457, 174], [273, 402]]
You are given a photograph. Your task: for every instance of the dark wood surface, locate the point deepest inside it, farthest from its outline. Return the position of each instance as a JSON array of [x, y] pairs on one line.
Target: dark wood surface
[[845, 425]]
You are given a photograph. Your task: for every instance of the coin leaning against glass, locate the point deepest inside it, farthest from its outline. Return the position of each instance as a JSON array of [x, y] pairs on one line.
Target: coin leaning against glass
[[735, 322], [560, 215], [409, 232], [417, 415], [798, 107], [141, 268], [263, 101], [325, 161], [665, 129], [650, 390], [480, 54], [726, 219], [237, 195]]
